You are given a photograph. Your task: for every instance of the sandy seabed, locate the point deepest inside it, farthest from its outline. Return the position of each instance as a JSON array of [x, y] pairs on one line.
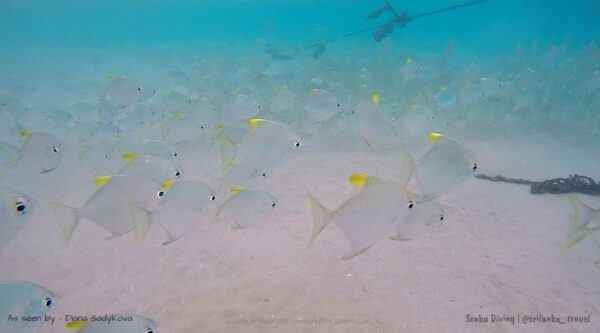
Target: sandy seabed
[[500, 252]]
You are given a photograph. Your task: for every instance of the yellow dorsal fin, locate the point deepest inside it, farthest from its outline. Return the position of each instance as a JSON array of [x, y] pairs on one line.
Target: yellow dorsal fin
[[376, 98], [255, 121], [24, 134], [129, 156], [359, 179], [177, 114], [167, 184], [220, 126], [435, 136], [76, 325], [102, 180], [237, 190], [111, 77]]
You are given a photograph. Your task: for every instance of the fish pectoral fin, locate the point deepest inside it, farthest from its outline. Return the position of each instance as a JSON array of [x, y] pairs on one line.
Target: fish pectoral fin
[[141, 222]]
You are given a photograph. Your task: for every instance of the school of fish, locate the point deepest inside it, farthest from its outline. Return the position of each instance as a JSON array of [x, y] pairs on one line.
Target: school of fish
[[193, 149]]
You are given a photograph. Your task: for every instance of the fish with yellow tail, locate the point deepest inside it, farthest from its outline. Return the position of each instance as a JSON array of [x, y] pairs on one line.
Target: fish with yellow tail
[[247, 207], [268, 144], [368, 216], [187, 204], [372, 124], [122, 204], [42, 151], [445, 166], [156, 168]]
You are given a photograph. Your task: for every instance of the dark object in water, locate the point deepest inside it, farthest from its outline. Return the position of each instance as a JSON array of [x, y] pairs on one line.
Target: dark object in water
[[375, 14], [387, 29], [318, 51], [571, 184], [383, 30]]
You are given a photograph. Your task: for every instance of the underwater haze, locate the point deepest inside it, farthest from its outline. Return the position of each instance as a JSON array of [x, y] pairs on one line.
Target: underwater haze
[[299, 166]]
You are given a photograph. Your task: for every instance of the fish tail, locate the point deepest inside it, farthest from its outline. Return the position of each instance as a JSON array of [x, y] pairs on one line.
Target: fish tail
[[227, 152], [66, 220], [578, 230], [320, 216], [141, 222]]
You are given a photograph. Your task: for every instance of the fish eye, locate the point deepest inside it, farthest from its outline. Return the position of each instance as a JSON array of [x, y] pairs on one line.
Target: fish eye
[[441, 217], [47, 302], [175, 154], [55, 149], [177, 173], [259, 106], [410, 205], [20, 207], [338, 104], [273, 204], [212, 197], [264, 174], [297, 144], [160, 193], [139, 88], [149, 330], [474, 167]]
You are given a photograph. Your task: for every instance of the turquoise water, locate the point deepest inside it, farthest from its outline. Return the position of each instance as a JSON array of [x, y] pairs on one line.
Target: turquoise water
[[490, 34], [173, 160], [488, 28]]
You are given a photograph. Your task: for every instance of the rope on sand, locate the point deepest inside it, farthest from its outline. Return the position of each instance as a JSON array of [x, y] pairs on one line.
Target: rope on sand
[[571, 184]]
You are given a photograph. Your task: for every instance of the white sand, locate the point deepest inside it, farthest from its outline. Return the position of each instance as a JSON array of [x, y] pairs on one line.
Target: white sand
[[501, 251]]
